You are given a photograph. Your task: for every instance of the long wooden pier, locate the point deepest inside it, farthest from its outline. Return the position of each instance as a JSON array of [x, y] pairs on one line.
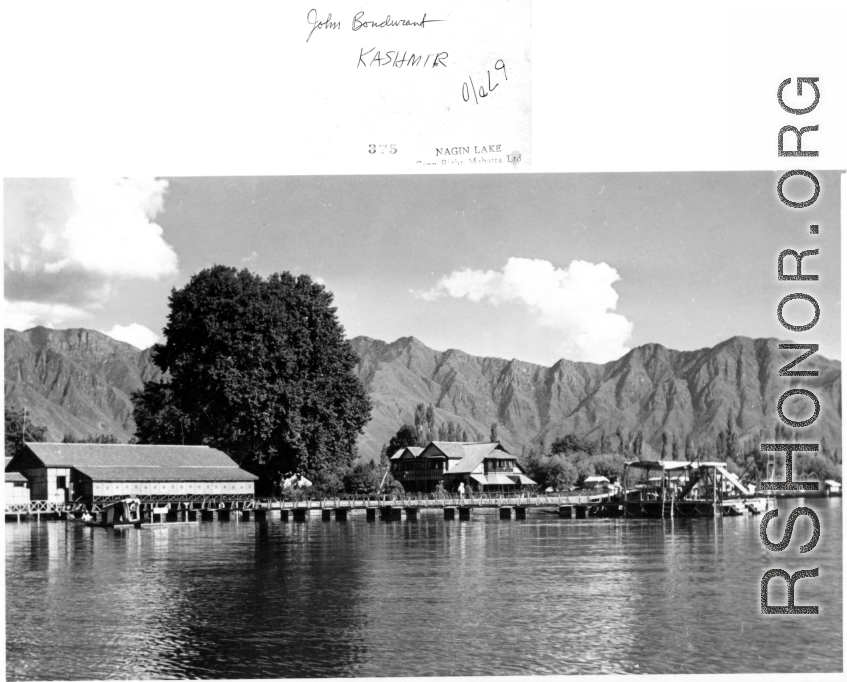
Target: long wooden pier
[[569, 505]]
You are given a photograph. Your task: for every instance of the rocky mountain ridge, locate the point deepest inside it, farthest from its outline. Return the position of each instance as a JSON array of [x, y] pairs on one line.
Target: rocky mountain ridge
[[79, 381], [75, 381], [651, 389]]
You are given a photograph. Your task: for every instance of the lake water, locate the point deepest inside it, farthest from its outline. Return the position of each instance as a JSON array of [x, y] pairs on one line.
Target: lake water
[[539, 596]]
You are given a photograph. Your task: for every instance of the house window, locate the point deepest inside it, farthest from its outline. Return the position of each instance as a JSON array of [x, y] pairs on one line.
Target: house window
[[61, 481]]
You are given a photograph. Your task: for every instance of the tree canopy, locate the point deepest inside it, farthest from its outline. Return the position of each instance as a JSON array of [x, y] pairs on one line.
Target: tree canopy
[[570, 444], [99, 438], [19, 429], [260, 369], [364, 477], [406, 436]]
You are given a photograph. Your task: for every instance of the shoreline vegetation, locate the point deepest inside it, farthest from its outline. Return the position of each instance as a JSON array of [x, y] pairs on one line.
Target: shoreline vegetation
[[260, 368]]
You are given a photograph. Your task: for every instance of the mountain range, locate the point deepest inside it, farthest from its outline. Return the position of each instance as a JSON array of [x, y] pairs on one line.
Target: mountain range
[[78, 381]]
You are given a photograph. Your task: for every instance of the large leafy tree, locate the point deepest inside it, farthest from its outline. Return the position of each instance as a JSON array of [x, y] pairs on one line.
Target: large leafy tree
[[259, 368]]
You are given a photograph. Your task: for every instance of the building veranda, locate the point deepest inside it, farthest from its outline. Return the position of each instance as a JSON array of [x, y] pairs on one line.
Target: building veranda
[[479, 467]]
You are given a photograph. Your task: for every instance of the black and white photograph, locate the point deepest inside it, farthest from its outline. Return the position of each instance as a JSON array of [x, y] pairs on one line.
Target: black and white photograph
[[434, 339], [285, 427]]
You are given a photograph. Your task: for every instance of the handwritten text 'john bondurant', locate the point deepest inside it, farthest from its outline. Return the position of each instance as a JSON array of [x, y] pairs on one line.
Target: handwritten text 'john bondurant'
[[359, 22]]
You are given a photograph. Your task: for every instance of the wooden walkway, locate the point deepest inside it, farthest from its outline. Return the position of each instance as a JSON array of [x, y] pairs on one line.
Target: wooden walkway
[[568, 504], [37, 509], [475, 501]]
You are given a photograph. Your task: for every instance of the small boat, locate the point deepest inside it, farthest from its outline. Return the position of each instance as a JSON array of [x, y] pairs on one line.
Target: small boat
[[122, 514]]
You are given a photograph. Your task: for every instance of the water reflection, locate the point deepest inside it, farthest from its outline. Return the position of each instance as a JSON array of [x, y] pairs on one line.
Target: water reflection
[[427, 597]]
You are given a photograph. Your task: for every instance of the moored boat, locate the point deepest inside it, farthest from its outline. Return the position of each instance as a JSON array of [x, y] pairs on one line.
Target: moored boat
[[122, 514]]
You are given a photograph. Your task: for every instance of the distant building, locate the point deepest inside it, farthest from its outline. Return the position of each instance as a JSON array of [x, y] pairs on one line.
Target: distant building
[[17, 487], [596, 483], [87, 472], [483, 467]]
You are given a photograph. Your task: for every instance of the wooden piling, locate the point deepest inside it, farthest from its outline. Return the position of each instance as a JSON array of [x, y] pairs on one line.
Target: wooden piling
[[520, 512], [565, 512], [716, 511], [464, 513], [505, 513], [370, 514], [449, 513], [341, 514]]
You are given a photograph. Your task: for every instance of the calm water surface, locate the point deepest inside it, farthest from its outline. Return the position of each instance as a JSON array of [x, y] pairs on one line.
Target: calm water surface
[[542, 596]]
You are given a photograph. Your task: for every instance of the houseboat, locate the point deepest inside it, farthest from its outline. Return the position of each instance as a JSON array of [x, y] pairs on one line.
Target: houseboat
[[685, 489]]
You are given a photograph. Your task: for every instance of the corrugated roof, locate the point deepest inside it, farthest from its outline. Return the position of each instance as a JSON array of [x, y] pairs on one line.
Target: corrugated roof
[[523, 480], [160, 473], [412, 450], [498, 479], [500, 454], [93, 454], [474, 454], [111, 462], [453, 450], [14, 476]]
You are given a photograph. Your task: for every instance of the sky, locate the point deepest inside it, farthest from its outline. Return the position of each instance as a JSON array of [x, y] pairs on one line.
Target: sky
[[530, 266]]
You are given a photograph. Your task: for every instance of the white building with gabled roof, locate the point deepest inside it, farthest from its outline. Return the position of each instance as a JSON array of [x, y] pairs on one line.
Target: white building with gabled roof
[[484, 467], [92, 472]]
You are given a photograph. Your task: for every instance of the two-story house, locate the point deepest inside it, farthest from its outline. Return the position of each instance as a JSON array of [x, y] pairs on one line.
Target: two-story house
[[483, 467]]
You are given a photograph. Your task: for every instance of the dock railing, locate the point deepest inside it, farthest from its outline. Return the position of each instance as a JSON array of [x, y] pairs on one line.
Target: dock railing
[[434, 500], [411, 500]]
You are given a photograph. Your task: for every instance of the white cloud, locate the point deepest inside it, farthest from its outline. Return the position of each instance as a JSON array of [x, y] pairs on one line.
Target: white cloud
[[576, 302], [136, 334], [102, 227], [112, 232], [68, 241], [22, 315], [249, 259]]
